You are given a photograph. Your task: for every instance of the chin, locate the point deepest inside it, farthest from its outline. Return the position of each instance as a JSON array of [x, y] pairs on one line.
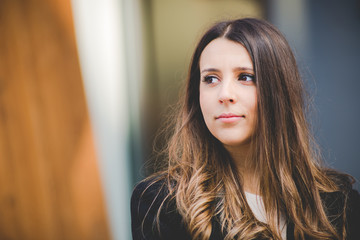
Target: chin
[[235, 143]]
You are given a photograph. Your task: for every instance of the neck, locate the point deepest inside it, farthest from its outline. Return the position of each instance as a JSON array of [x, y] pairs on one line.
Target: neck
[[245, 167]]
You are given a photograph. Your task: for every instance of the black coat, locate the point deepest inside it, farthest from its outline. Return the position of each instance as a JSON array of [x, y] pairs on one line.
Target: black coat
[[147, 199]]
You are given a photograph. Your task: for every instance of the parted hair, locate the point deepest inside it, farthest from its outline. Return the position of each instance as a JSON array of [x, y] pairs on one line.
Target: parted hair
[[200, 174]]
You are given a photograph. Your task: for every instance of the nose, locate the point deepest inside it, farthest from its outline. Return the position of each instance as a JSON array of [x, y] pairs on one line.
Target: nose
[[227, 93]]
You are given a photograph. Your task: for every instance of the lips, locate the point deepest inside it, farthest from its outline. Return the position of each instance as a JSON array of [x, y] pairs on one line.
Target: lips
[[229, 117]]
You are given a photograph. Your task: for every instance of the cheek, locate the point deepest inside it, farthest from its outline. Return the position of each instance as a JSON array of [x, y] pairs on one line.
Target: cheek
[[206, 108], [251, 100], [252, 107], [205, 104], [201, 100]]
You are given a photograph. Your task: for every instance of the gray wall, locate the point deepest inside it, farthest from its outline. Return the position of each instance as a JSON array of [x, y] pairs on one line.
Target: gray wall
[[329, 57], [334, 61]]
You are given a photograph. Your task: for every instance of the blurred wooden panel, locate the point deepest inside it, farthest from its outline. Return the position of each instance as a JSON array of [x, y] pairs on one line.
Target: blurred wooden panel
[[49, 180]]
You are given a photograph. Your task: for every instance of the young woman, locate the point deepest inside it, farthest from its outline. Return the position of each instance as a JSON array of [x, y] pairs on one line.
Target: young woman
[[241, 161]]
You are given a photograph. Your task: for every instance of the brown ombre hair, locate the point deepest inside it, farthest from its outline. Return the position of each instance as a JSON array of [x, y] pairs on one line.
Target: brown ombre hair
[[200, 174]]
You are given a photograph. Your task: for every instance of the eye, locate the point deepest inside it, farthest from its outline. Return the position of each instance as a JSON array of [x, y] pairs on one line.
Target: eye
[[210, 79], [246, 77]]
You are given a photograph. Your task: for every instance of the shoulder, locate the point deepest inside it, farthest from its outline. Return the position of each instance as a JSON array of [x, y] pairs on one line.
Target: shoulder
[[346, 196], [353, 214], [148, 196], [150, 190], [153, 212], [344, 204]]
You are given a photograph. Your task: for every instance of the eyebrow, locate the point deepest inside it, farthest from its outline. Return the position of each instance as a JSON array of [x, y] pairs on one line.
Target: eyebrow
[[235, 69]]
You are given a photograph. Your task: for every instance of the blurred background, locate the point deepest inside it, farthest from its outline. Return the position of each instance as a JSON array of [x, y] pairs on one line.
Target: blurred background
[[85, 86]]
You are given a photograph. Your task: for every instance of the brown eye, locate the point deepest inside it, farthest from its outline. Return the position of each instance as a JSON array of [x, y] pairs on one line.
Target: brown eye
[[210, 79], [247, 77]]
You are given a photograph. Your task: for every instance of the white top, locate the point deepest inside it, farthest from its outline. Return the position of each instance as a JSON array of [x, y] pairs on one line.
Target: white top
[[257, 207]]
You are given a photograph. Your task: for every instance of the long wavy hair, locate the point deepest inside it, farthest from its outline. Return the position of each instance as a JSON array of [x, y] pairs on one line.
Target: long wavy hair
[[200, 174]]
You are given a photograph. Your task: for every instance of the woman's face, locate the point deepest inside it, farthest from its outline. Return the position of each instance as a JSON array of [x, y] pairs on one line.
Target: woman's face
[[228, 92]]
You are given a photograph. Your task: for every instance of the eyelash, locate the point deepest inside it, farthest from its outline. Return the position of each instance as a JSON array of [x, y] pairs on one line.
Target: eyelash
[[251, 76], [208, 79]]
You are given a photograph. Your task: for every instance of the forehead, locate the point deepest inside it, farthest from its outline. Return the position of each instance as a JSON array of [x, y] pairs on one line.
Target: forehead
[[222, 52]]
